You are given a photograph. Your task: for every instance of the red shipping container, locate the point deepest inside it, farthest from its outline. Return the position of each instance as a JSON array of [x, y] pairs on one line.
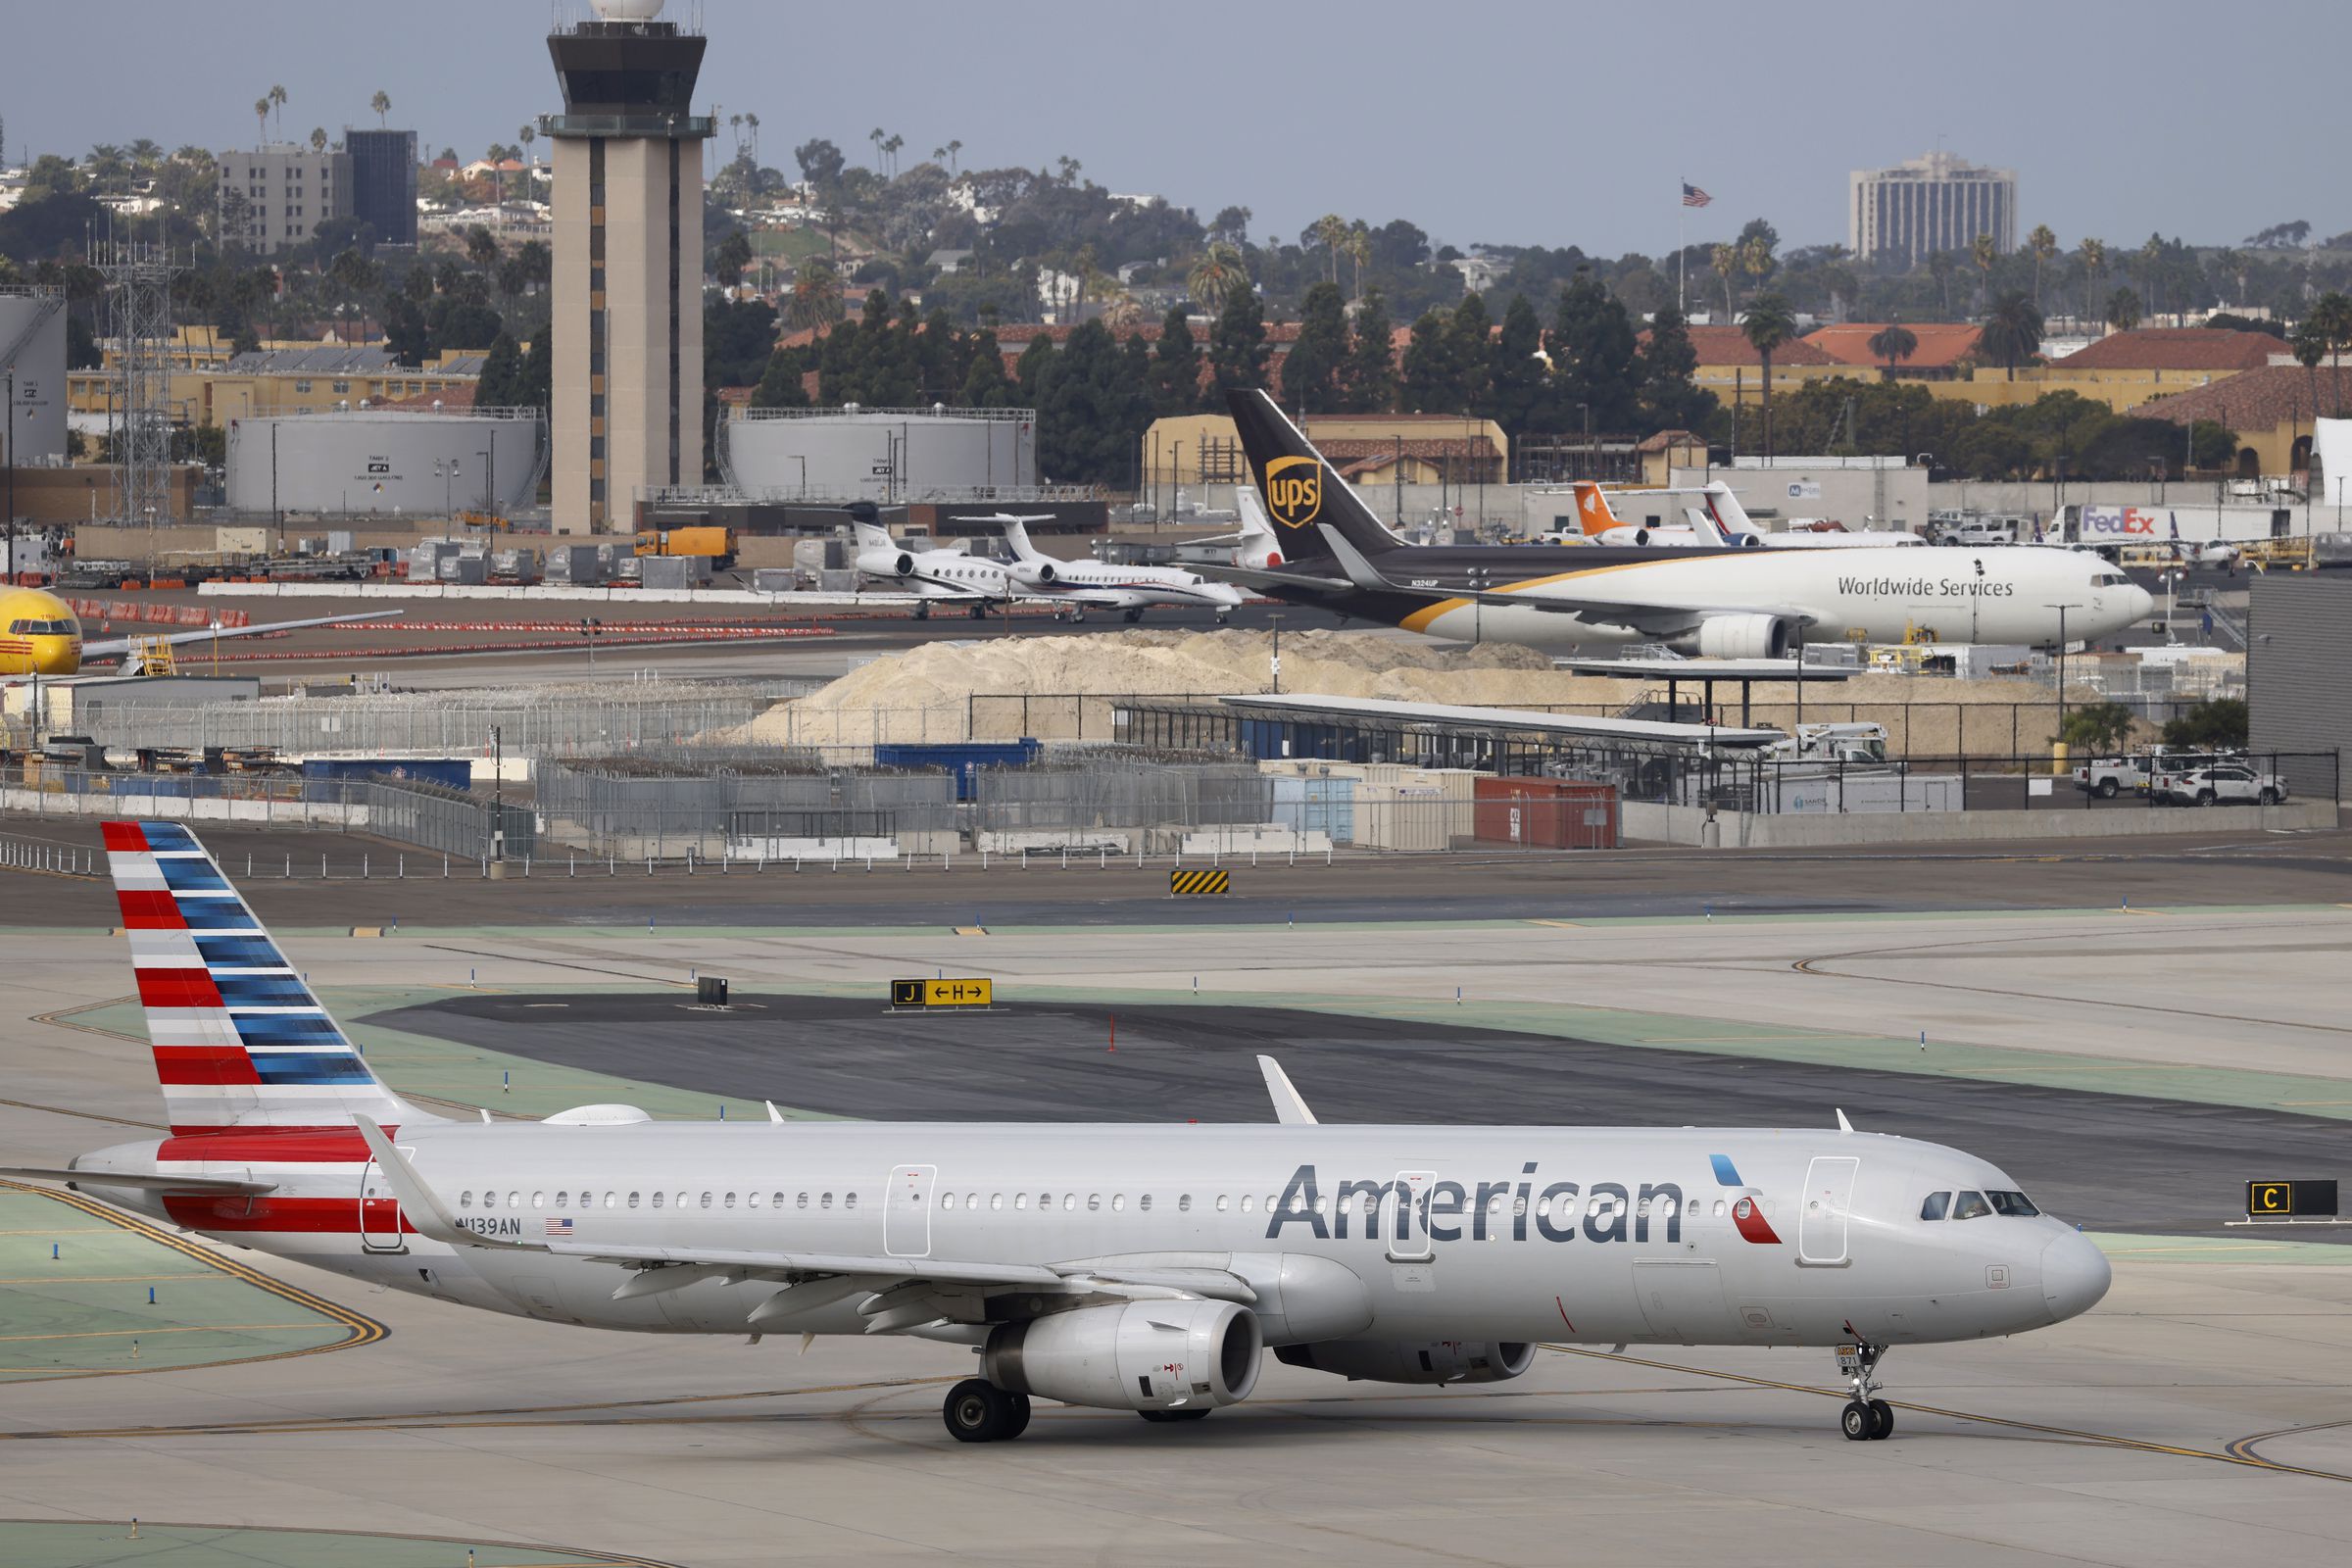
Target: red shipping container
[[1544, 813]]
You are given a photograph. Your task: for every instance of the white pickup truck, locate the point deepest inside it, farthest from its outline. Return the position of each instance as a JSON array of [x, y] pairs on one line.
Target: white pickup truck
[[2110, 776], [2221, 784]]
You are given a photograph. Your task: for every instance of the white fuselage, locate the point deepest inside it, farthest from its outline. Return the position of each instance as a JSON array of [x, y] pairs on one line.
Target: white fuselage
[[1593, 1235], [1093, 583], [1888, 595]]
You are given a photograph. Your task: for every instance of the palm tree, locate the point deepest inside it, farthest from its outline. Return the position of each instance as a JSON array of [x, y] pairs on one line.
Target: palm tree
[[1891, 342], [750, 122], [953, 148], [2331, 317], [2044, 245], [2309, 343], [1359, 251], [528, 133], [1768, 325], [2150, 255], [317, 138], [892, 147], [2122, 309], [1217, 274], [2232, 264], [2012, 330], [382, 103], [2094, 264], [815, 301], [1331, 232], [1939, 267], [278, 97], [261, 112], [1756, 259], [875, 137], [1984, 253], [1725, 261]]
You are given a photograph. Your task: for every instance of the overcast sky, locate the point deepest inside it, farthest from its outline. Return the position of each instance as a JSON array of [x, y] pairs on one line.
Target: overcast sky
[[1511, 120]]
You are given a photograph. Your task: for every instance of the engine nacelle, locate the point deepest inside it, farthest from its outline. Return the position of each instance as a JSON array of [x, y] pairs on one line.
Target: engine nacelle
[[886, 562], [1142, 1355], [1408, 1361], [1738, 637], [1034, 573]]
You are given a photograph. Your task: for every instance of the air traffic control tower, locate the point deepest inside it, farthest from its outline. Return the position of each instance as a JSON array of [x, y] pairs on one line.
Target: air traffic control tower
[[627, 358]]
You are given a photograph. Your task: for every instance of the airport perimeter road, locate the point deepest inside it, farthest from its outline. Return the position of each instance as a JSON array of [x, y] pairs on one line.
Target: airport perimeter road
[[2219, 869]]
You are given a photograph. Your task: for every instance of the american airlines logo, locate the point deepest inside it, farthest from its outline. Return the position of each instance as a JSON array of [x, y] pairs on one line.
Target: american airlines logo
[[1484, 1208]]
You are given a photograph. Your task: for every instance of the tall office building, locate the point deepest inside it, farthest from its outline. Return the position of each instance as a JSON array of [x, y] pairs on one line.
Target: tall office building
[[628, 264], [383, 182], [1936, 203], [275, 196]]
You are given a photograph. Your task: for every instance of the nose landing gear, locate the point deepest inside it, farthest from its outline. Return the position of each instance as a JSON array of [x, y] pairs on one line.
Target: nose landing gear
[[1866, 1418]]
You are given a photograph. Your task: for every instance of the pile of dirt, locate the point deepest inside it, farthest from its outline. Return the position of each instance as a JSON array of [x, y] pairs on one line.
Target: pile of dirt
[[1054, 688]]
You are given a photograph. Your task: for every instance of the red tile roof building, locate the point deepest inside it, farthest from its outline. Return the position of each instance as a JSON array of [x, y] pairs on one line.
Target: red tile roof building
[[2175, 348]]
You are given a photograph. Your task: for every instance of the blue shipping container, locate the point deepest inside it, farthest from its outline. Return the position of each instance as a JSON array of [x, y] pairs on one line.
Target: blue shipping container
[[322, 773]]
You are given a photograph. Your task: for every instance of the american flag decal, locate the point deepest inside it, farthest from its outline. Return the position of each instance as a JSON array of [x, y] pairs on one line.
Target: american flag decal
[[559, 1227]]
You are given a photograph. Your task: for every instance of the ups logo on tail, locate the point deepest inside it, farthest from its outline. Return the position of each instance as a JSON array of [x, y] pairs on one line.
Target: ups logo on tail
[[1294, 491]]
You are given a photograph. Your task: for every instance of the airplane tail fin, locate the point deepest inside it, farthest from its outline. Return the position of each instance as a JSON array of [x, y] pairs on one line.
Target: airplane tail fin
[[239, 1040], [871, 535], [1016, 535], [1258, 548], [1593, 509], [1300, 490]]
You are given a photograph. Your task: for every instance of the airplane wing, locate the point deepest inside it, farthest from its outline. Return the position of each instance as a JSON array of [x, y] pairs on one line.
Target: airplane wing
[[1643, 615], [1259, 577], [123, 645]]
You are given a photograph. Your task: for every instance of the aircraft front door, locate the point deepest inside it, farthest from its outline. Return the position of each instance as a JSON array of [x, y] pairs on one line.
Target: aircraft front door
[[1404, 1217], [907, 1211], [1829, 1202], [379, 1213]]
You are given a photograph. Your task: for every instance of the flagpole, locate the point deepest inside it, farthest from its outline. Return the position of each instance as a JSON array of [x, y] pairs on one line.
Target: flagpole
[[1681, 210]]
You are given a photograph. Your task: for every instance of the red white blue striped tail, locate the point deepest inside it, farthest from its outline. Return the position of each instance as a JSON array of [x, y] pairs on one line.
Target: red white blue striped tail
[[239, 1040]]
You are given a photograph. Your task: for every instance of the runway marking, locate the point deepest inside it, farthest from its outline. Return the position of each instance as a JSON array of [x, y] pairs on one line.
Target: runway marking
[[1565, 925], [363, 1329], [132, 1334], [2128, 910], [87, 1116], [2226, 1456], [2243, 1447], [165, 1526], [192, 1276], [63, 1017]]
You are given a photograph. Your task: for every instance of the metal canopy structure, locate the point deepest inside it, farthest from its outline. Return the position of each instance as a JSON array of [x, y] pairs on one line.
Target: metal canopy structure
[[1381, 713], [1674, 672]]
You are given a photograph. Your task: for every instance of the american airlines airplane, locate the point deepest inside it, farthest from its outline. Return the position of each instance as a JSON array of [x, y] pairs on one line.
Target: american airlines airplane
[[1121, 1266], [1083, 585], [1722, 603]]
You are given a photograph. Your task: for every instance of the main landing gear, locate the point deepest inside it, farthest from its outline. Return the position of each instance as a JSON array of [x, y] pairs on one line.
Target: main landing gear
[[978, 1411], [1867, 1418]]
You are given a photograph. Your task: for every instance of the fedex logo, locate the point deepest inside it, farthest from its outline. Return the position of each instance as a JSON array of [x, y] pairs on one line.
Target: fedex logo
[[2120, 522]]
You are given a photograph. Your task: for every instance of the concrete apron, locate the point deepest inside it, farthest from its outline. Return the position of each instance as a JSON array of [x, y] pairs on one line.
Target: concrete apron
[[1649, 823]]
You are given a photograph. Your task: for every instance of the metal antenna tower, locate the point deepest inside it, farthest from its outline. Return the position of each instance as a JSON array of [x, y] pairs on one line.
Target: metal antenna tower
[[138, 275]]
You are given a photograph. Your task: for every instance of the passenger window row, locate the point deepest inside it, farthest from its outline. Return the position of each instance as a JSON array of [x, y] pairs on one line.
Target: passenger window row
[[1354, 1203], [612, 1200]]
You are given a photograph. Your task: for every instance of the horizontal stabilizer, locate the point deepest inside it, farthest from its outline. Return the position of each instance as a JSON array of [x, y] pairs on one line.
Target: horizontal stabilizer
[[225, 1185]]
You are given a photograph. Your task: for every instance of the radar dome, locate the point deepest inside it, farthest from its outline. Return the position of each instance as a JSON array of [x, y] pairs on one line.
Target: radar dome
[[628, 10]]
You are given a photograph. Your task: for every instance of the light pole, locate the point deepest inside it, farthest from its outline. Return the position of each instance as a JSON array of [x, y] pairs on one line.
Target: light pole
[[1400, 463], [2062, 610], [590, 630], [11, 561], [1276, 619], [489, 476], [1478, 605]]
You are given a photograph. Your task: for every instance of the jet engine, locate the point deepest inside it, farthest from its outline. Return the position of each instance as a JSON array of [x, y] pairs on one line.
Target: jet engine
[[1140, 1356], [886, 562], [1034, 573], [1738, 637], [1405, 1361]]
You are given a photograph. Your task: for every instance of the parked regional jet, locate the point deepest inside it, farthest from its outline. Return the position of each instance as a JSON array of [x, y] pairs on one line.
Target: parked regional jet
[[1126, 1266], [1082, 585], [40, 635], [1713, 515], [1718, 601], [951, 575]]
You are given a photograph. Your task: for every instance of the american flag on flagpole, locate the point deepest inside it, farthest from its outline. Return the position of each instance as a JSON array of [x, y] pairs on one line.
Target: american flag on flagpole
[[1693, 196]]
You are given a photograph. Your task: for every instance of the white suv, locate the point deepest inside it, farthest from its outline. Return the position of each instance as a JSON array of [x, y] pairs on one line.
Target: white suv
[[2222, 784]]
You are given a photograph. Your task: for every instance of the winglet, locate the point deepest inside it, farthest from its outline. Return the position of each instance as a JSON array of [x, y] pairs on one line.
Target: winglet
[[773, 1114], [422, 1207], [1359, 570], [1844, 1125], [1290, 1108]]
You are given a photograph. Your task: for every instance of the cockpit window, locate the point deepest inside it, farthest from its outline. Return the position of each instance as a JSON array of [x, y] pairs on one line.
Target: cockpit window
[[1970, 1205], [2017, 1205], [39, 628], [1937, 1206], [2109, 580]]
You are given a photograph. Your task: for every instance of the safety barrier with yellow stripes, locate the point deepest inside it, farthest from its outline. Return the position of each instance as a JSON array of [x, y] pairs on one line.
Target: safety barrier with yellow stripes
[[1190, 884]]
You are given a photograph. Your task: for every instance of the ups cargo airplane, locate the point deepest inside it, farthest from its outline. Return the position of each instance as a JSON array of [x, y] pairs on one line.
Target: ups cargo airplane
[[1721, 602], [1128, 1267]]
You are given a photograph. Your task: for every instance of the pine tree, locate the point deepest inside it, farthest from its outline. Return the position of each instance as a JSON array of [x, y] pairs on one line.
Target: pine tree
[[780, 384], [1096, 404], [1594, 351], [984, 382], [494, 387], [1175, 367], [1471, 332], [534, 383], [1033, 373], [1433, 380], [1310, 371], [1237, 344], [1670, 399], [1370, 374], [1522, 399]]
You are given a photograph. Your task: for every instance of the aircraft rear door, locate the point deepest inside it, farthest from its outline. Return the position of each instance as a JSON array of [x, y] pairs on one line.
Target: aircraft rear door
[[1829, 1202], [379, 1213], [907, 1211]]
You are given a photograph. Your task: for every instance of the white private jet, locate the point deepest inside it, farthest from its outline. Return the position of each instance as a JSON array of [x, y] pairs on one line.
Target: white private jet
[[1078, 586], [932, 575], [1134, 1266]]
